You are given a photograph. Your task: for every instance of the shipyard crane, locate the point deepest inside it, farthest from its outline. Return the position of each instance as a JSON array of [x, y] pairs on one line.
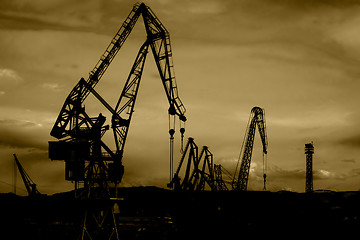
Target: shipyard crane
[[80, 136], [195, 170], [207, 173], [191, 153], [222, 178], [257, 118], [88, 159], [29, 184]]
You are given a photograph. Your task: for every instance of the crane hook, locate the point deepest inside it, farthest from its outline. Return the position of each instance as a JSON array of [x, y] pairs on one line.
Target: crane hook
[[264, 169], [182, 131]]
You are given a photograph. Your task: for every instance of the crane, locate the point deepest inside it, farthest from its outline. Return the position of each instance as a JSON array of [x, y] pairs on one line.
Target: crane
[[79, 136], [29, 184], [257, 118], [191, 152], [207, 173], [88, 159], [219, 173], [195, 170]]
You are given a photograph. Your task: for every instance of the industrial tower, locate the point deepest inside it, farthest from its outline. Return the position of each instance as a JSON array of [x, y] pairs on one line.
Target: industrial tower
[[309, 151]]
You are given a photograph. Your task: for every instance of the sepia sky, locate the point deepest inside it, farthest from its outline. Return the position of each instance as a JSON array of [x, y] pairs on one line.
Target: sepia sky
[[299, 60]]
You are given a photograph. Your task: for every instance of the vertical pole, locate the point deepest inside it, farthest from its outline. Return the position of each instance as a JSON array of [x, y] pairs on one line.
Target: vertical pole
[[264, 170], [171, 132], [14, 177]]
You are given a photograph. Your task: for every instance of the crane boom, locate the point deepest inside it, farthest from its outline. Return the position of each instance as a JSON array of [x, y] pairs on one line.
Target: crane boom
[[159, 39], [78, 96], [29, 184], [126, 103], [257, 118]]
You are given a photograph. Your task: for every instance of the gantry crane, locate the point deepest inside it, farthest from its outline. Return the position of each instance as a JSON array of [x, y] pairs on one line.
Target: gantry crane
[[29, 184], [80, 136], [257, 118]]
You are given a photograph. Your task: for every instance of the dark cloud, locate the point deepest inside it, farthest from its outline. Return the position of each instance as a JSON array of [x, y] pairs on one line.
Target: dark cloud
[[293, 9], [27, 23], [21, 134], [348, 160], [354, 172], [352, 141], [278, 173], [57, 15], [309, 4], [64, 15]]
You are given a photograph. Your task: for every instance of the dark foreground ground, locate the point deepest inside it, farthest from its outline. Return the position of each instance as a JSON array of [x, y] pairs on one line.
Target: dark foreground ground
[[153, 213]]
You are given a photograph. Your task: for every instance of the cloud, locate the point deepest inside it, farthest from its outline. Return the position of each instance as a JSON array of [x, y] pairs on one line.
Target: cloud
[[279, 174], [324, 174], [9, 74], [9, 78], [60, 14], [205, 7], [52, 86], [21, 134], [310, 4], [348, 160], [351, 141], [276, 172]]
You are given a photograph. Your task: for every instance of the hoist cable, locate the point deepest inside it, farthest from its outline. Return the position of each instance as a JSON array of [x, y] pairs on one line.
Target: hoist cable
[[264, 169]]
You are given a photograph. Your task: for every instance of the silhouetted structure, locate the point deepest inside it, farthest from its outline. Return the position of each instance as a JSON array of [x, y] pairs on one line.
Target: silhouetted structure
[[29, 184], [88, 159], [309, 151], [220, 172], [197, 172], [80, 136], [152, 213], [257, 118]]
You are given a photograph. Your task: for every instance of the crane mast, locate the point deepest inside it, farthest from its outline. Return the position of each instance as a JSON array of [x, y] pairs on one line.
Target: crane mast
[[257, 118]]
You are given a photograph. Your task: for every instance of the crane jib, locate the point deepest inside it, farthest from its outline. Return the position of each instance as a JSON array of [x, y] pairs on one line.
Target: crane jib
[[160, 44]]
